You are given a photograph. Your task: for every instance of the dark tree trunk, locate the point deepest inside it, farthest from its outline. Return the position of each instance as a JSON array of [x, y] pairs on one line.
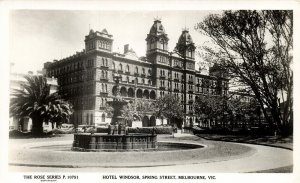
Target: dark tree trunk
[[37, 126]]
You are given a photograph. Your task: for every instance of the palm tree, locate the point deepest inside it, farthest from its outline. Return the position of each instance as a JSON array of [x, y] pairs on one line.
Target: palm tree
[[36, 102]]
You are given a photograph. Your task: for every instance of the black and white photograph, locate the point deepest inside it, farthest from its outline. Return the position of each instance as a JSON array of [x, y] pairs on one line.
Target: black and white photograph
[[150, 95]]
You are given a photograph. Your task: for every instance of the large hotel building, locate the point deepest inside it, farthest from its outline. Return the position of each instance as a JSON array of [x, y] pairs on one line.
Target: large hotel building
[[87, 76]]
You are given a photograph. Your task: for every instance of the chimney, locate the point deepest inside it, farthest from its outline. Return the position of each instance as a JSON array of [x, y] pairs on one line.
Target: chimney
[[126, 48]]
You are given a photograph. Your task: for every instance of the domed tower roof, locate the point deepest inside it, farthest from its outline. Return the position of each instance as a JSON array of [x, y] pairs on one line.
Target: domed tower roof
[[157, 30], [185, 43], [185, 38]]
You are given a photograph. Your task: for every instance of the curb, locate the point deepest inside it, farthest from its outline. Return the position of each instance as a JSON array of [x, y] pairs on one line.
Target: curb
[[268, 145]]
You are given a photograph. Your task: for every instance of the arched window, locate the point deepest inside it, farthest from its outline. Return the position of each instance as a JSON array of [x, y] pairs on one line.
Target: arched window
[[127, 68], [102, 74], [163, 44], [127, 79], [103, 89], [143, 81], [143, 70], [149, 82], [114, 66], [136, 70], [103, 62], [120, 67], [103, 118]]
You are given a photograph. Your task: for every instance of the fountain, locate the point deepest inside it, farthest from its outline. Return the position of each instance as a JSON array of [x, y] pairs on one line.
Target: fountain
[[117, 138]]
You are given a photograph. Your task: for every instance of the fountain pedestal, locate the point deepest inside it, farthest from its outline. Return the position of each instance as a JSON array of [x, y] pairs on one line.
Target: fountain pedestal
[[117, 138]]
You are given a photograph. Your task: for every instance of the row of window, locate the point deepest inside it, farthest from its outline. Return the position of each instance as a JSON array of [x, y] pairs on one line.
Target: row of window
[[127, 69], [103, 102], [100, 43], [104, 88], [66, 69], [178, 63], [162, 59], [104, 44]]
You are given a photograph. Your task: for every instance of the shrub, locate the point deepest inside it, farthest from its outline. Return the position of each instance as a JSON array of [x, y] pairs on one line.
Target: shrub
[[102, 130], [60, 131], [149, 130], [91, 130]]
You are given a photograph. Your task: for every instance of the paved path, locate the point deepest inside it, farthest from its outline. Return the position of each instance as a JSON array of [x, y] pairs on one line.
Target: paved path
[[217, 157]]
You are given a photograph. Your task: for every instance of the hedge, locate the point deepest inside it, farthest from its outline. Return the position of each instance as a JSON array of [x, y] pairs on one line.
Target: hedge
[[60, 131], [158, 130]]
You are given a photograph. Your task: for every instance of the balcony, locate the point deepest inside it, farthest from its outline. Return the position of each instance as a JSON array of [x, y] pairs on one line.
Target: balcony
[[162, 87], [120, 71], [104, 67], [102, 107], [176, 80], [136, 74], [176, 90], [190, 81], [103, 79], [143, 75], [127, 72], [162, 77], [190, 101], [190, 91], [103, 94]]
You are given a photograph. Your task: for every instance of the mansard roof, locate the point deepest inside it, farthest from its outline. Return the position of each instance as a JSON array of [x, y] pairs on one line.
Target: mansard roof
[[157, 30]]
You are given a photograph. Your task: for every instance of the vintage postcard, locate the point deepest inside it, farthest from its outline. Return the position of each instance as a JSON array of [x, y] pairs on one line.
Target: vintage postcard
[[174, 92]]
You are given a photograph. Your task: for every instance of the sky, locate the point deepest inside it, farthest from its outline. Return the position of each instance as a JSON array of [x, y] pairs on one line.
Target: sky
[[38, 36]]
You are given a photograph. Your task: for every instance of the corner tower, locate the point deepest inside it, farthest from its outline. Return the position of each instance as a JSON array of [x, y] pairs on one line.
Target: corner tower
[[185, 45], [157, 39], [185, 48], [98, 41]]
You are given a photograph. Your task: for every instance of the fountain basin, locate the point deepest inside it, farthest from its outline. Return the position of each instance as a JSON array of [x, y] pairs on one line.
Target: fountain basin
[[104, 142]]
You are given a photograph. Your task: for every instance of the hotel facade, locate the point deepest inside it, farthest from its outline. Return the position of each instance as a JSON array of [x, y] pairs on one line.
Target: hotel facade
[[86, 78]]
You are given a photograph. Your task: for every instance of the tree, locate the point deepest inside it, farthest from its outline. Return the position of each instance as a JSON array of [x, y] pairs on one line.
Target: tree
[[138, 108], [144, 107], [208, 108], [168, 107], [36, 102], [256, 48]]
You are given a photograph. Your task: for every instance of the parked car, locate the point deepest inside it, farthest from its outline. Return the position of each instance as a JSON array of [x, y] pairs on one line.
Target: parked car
[[66, 126], [81, 128], [84, 128]]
